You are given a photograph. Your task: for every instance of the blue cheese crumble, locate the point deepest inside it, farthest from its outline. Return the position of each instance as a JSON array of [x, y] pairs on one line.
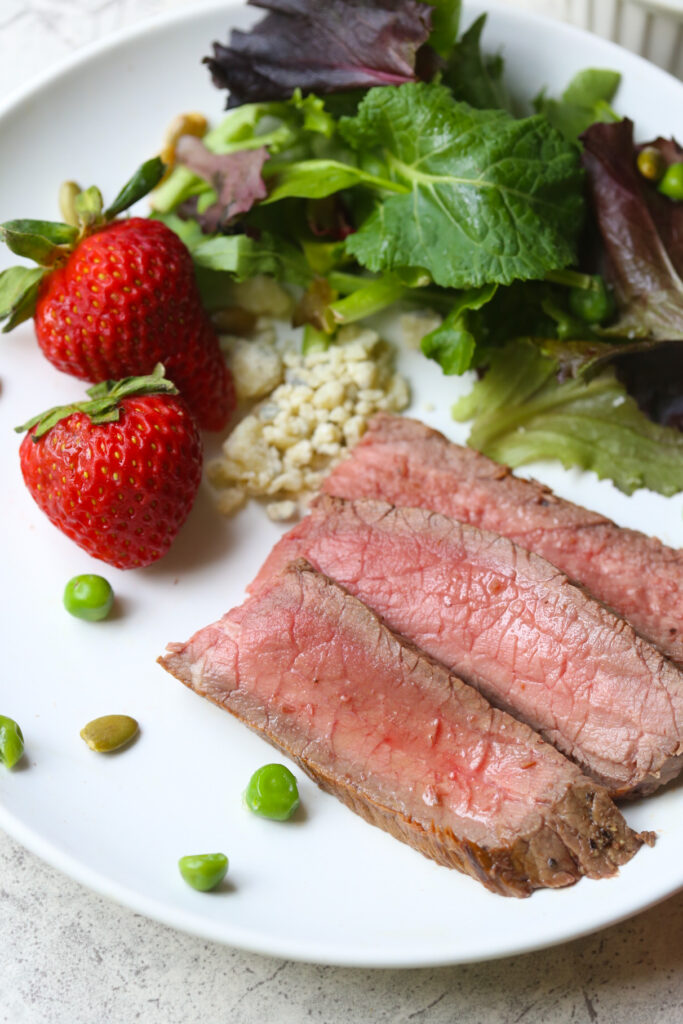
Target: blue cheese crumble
[[292, 438]]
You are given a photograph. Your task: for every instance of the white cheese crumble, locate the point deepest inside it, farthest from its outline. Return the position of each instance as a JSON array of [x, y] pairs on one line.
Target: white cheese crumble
[[416, 324], [256, 365], [291, 439], [261, 295]]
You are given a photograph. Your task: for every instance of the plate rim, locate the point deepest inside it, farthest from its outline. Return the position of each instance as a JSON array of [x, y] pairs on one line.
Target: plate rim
[[176, 917], [150, 23], [249, 941]]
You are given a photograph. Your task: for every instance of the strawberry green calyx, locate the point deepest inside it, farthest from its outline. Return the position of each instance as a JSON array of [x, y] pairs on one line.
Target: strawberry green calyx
[[88, 206], [38, 240], [18, 294], [104, 404], [147, 177], [50, 243]]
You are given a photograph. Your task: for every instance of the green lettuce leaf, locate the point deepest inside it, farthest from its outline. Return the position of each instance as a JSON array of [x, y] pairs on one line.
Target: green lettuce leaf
[[585, 101], [522, 412], [280, 126], [453, 345], [445, 24], [315, 179], [188, 231], [243, 257], [473, 76], [490, 198]]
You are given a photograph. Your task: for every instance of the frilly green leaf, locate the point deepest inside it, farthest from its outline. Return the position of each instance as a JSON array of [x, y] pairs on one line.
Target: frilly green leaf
[[521, 412]]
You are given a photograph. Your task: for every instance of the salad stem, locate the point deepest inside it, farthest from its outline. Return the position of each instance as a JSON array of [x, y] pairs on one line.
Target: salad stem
[[367, 300], [571, 279]]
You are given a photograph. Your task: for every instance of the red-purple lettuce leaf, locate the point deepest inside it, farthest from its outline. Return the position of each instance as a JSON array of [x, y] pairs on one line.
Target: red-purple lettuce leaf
[[667, 215], [654, 376], [235, 177], [641, 231], [329, 218], [321, 46]]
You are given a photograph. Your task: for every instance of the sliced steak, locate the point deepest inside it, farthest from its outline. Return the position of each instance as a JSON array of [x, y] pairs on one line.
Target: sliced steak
[[405, 463], [400, 740], [509, 623]]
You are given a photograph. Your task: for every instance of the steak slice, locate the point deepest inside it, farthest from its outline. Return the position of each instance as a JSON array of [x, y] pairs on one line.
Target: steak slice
[[510, 624], [404, 462], [400, 740]]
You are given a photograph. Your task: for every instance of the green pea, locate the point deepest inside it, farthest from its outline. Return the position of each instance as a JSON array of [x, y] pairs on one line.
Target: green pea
[[11, 741], [88, 597], [203, 871], [671, 184], [594, 305], [272, 792]]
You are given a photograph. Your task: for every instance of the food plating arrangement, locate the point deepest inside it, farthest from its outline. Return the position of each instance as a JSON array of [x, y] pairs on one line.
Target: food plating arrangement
[[479, 667]]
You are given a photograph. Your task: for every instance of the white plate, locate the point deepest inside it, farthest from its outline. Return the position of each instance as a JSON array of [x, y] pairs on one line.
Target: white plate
[[329, 888]]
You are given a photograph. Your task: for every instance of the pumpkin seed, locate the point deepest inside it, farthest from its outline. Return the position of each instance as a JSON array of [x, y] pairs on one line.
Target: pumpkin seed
[[110, 732]]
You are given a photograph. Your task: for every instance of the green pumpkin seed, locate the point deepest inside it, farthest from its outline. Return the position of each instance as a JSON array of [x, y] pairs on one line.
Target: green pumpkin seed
[[109, 732]]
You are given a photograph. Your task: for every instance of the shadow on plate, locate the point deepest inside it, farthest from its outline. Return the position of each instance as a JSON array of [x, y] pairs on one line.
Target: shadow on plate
[[206, 537]]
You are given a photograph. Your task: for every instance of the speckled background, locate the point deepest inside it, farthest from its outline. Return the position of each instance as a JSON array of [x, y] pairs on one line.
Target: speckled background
[[70, 957]]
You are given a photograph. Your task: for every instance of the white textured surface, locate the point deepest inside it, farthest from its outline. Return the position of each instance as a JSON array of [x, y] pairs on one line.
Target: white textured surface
[[67, 955]]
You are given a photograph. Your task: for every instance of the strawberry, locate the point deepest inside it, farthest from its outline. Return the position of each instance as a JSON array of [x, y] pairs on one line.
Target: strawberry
[[112, 298], [117, 474], [208, 385], [124, 295]]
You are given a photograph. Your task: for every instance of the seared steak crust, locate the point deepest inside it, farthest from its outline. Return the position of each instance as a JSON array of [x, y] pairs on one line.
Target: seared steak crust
[[508, 622], [402, 461], [400, 740]]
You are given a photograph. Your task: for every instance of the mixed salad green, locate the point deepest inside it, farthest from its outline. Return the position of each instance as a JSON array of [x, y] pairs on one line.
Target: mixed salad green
[[371, 155]]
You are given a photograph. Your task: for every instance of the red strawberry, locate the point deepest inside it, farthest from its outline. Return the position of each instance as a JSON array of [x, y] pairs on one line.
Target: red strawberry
[[114, 298], [117, 474], [208, 385], [124, 295]]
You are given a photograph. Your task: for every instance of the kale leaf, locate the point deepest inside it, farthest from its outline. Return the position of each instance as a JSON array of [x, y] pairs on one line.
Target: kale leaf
[[488, 199]]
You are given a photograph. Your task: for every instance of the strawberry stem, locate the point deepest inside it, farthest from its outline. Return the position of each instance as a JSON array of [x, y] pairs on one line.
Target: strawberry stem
[[88, 207], [68, 191], [105, 397]]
